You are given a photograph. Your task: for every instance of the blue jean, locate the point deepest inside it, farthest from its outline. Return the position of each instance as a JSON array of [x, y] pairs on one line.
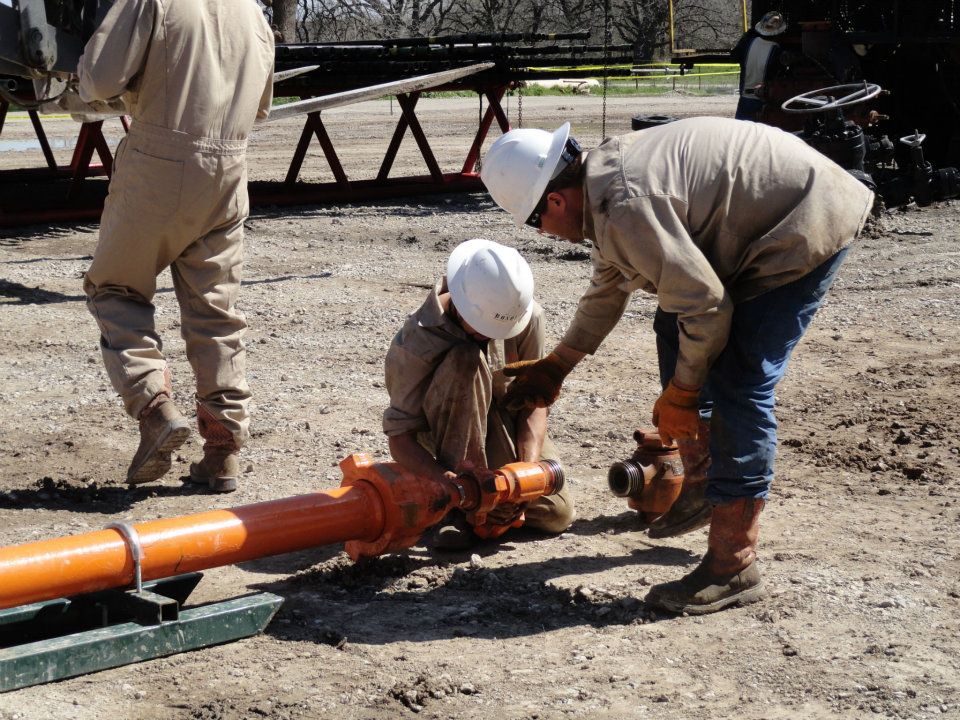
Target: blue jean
[[748, 108], [738, 397]]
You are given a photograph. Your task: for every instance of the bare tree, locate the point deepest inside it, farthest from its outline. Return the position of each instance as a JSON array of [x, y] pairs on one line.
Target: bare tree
[[282, 16], [643, 24], [706, 24], [569, 15], [369, 19], [492, 16]]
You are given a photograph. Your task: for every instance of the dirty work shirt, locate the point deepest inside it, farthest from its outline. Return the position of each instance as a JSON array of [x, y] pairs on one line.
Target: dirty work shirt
[[705, 213], [446, 389], [196, 73]]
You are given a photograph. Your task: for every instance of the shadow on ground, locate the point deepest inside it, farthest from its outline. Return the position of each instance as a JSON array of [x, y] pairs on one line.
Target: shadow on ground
[[420, 597]]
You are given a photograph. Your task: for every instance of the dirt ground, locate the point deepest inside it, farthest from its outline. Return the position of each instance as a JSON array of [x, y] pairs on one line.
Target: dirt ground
[[860, 547]]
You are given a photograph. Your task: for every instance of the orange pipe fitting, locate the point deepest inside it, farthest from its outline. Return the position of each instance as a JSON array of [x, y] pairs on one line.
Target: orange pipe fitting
[[378, 508], [653, 476], [514, 483]]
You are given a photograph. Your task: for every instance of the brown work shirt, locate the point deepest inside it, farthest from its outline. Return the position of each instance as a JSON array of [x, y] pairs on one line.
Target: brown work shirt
[[421, 345], [705, 213], [199, 68]]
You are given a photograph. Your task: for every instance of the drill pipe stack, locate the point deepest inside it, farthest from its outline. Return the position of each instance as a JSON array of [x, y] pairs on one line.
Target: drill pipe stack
[[369, 62]]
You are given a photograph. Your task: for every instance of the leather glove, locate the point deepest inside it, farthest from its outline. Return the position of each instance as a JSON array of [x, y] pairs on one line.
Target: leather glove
[[676, 413], [537, 382]]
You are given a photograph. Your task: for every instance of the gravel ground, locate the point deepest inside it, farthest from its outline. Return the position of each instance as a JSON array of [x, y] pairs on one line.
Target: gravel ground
[[859, 544]]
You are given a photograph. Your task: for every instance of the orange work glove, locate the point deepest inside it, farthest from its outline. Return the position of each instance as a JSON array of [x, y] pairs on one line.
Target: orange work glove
[[676, 413], [537, 382]]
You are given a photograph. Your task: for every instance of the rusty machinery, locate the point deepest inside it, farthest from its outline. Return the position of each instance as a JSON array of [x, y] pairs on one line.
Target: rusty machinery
[[892, 138], [41, 41], [910, 49], [868, 156], [873, 84]]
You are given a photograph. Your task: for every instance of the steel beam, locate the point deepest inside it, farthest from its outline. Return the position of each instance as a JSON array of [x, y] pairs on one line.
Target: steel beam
[[494, 109], [314, 127], [348, 97], [126, 627], [42, 137]]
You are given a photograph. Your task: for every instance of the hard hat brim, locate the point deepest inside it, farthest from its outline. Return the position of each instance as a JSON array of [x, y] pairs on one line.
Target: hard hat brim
[[557, 144]]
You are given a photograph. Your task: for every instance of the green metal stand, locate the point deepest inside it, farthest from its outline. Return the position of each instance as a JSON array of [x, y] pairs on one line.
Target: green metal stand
[[63, 638]]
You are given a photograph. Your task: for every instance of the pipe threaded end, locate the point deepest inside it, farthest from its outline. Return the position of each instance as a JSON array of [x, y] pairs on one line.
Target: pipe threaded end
[[559, 479], [625, 479]]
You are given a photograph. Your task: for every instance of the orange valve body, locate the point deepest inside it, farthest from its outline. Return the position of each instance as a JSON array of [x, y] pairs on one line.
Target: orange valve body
[[653, 476]]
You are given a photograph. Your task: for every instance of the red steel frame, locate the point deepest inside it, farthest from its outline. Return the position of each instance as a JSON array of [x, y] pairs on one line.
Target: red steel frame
[[83, 202]]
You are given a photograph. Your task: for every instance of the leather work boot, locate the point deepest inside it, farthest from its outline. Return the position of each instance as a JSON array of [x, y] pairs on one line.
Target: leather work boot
[[162, 430], [728, 573], [454, 534], [691, 511], [220, 466]]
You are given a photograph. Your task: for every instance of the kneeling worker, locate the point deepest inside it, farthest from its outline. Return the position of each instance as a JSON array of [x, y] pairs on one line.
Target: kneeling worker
[[444, 375]]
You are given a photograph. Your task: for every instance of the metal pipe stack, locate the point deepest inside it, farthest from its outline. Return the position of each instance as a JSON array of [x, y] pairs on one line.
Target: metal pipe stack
[[516, 56]]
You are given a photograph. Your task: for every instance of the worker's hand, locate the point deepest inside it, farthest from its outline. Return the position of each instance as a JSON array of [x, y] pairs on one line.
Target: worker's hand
[[676, 413], [536, 382]]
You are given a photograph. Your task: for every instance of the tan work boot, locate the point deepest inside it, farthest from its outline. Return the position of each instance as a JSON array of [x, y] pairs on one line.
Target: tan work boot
[[217, 470], [162, 430], [691, 511], [728, 573], [220, 466]]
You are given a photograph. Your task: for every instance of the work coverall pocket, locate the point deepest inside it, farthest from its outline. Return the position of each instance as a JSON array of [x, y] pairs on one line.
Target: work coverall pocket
[[151, 185]]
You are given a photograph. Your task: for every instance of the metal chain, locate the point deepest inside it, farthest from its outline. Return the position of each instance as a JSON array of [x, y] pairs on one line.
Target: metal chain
[[519, 106], [606, 67], [479, 125]]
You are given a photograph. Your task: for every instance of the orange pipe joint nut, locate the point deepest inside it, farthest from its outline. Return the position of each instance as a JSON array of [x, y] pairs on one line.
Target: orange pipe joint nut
[[651, 479]]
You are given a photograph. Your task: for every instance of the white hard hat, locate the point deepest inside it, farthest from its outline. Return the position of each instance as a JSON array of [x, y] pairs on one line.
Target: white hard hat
[[518, 166], [491, 286]]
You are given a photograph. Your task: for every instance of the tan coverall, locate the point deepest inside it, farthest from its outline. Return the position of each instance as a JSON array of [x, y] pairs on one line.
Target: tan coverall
[[447, 389], [751, 209], [196, 73]]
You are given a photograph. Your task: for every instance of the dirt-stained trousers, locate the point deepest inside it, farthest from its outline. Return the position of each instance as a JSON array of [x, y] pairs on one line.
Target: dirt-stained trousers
[[175, 201], [466, 424]]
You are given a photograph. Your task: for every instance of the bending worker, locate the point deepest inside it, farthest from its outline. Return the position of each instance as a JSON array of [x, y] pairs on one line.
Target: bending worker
[[444, 374], [196, 74], [739, 229]]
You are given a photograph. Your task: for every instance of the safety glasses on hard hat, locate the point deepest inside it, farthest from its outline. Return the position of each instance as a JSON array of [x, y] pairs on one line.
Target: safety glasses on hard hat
[[571, 152]]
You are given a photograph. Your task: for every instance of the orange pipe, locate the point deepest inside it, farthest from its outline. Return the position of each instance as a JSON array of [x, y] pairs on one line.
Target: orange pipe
[[378, 508], [99, 560]]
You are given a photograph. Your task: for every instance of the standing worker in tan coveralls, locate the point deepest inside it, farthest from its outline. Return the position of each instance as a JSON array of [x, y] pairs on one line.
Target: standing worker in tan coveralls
[[739, 229], [196, 73], [444, 374]]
